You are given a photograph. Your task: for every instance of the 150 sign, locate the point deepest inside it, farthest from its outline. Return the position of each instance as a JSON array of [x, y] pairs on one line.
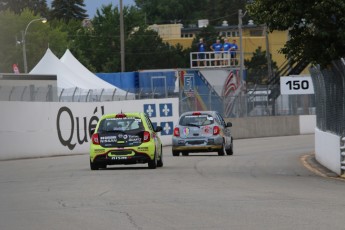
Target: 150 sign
[[296, 85]]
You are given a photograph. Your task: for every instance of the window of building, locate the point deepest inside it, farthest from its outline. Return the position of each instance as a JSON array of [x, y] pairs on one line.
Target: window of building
[[256, 33]]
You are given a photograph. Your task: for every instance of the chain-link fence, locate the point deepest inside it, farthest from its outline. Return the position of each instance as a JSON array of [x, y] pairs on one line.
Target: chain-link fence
[[49, 93], [329, 86], [245, 104], [248, 104]]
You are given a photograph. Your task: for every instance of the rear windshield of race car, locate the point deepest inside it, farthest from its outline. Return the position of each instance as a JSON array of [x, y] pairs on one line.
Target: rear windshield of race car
[[200, 120], [121, 124]]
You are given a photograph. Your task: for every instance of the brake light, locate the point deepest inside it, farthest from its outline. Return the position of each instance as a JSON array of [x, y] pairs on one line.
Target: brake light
[[146, 136], [95, 139], [176, 132], [196, 113], [120, 115], [216, 130]]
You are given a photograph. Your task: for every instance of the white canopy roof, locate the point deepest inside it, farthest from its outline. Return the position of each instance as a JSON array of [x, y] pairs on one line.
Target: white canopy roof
[[71, 73], [66, 78], [72, 63]]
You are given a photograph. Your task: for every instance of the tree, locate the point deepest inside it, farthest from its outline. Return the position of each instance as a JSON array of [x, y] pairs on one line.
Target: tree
[[98, 46], [38, 38], [17, 6], [208, 34], [68, 10], [218, 11], [189, 11], [257, 68], [146, 50], [317, 28]]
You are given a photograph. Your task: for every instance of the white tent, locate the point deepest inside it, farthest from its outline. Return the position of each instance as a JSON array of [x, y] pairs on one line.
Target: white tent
[[51, 65], [77, 78], [71, 62]]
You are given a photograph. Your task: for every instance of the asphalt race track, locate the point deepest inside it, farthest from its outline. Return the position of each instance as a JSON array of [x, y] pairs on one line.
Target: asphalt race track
[[264, 185]]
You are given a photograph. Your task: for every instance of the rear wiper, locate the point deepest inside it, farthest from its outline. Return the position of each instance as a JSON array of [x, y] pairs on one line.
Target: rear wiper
[[190, 124], [113, 131]]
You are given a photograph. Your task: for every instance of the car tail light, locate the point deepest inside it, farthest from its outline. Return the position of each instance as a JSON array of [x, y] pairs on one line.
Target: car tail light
[[95, 139], [176, 132], [146, 136], [196, 113], [120, 115], [216, 130]]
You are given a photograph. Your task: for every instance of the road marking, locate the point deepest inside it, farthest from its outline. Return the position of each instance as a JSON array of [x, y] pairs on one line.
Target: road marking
[[304, 160]]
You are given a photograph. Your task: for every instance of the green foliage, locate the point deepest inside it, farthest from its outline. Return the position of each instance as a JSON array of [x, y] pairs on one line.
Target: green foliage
[[96, 42], [146, 50], [38, 38], [68, 10], [208, 34], [189, 11], [38, 7], [317, 28], [100, 43], [98, 46], [257, 67]]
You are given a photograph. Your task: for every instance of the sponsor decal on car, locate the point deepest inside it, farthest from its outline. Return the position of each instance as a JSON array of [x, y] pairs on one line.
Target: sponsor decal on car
[[207, 129], [143, 148], [99, 150], [119, 158], [108, 139], [186, 131]]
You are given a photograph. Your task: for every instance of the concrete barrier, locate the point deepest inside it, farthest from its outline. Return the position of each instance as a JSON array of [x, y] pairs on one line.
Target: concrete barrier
[[253, 127], [36, 129]]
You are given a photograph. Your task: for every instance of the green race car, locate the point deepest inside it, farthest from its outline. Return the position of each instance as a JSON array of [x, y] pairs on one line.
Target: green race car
[[125, 138]]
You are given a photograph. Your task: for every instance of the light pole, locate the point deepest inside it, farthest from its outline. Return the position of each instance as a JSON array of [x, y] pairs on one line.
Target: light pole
[[122, 39], [44, 20]]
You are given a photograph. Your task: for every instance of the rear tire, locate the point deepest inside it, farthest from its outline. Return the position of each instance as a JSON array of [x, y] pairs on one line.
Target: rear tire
[[93, 166], [153, 163], [160, 161], [175, 153], [185, 153], [230, 151], [222, 151]]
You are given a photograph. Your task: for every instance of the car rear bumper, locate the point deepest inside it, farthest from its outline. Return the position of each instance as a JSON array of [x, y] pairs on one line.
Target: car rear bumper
[[121, 159], [204, 148], [197, 144]]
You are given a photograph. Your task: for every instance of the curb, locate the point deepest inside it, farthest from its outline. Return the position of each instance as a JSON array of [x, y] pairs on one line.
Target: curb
[[309, 161]]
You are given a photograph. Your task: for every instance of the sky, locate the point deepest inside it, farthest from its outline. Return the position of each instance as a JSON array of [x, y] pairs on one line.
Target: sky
[[92, 5]]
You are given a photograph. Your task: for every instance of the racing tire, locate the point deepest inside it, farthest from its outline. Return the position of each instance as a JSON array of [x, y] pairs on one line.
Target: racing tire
[[175, 153], [94, 166], [160, 161], [185, 153], [230, 151], [152, 164], [222, 151], [103, 166]]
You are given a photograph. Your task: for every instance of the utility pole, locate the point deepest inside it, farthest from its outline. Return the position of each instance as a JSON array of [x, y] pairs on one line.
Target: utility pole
[[268, 55], [122, 38], [240, 16]]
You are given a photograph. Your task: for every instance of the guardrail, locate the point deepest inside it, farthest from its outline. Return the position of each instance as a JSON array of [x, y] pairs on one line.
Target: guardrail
[[342, 155], [214, 59]]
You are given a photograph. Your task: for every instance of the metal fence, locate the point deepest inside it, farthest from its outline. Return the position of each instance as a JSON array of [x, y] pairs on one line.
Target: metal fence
[[246, 104], [249, 104], [329, 86]]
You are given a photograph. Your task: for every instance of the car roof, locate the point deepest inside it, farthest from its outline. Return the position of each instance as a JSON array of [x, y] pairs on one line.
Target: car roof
[[210, 112], [129, 114]]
